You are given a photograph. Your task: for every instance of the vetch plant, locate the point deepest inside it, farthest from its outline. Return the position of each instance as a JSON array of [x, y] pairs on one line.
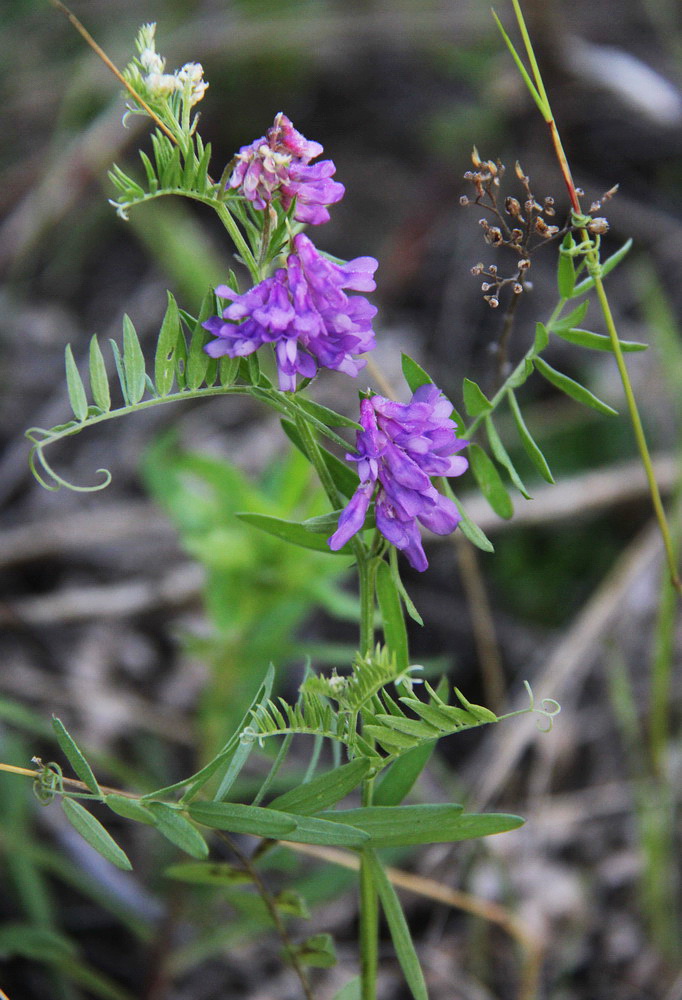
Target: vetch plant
[[309, 312]]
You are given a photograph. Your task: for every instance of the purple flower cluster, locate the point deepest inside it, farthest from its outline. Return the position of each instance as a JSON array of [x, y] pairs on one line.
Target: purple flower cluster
[[303, 309], [400, 447], [279, 162]]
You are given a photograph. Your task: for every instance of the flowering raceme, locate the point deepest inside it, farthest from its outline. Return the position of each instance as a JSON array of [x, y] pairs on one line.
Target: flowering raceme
[[279, 163], [304, 311], [400, 447]]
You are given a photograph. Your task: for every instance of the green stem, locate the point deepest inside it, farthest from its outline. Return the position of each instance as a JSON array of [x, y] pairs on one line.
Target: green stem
[[369, 915], [593, 264], [635, 419], [366, 577], [240, 243]]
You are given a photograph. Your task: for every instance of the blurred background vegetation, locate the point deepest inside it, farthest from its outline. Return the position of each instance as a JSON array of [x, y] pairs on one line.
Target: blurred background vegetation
[[134, 614]]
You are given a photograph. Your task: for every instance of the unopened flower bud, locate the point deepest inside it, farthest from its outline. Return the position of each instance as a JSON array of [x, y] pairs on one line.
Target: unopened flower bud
[[493, 301], [464, 200], [518, 288], [519, 172], [493, 269], [485, 287], [477, 269], [161, 84], [475, 158]]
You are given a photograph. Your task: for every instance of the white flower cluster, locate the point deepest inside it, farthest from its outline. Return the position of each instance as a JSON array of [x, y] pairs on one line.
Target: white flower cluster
[[189, 80]]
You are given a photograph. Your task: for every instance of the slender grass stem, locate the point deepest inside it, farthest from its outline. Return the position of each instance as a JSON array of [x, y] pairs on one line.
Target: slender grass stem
[[594, 267]]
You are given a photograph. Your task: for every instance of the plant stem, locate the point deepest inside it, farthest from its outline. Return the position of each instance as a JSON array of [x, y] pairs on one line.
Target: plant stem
[[271, 906], [366, 577], [369, 915], [635, 419], [240, 243], [594, 268]]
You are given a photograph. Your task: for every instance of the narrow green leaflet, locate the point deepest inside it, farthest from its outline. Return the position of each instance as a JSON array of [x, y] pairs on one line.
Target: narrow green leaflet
[[541, 338], [92, 830], [37, 943], [400, 932], [479, 712], [290, 531], [238, 818], [351, 991], [531, 448], [469, 529], [292, 903], [597, 341], [574, 318], [74, 755], [74, 384], [178, 830], [414, 374], [475, 402], [398, 780], [323, 791], [606, 268], [572, 388], [129, 808], [197, 358], [393, 622], [227, 371], [500, 453], [403, 826], [325, 832], [406, 599], [99, 382], [489, 481], [521, 374], [566, 269], [317, 951], [166, 348], [133, 362], [208, 873], [329, 418]]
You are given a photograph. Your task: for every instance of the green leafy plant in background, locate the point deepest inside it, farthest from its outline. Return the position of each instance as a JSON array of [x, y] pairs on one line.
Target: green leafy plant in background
[[266, 548]]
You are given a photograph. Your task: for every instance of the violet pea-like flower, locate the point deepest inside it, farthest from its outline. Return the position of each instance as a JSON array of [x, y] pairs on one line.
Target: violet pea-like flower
[[304, 311], [400, 447], [278, 163]]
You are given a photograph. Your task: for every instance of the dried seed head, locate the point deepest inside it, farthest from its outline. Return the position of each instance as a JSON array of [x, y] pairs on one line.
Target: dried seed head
[[524, 264], [493, 269], [542, 229], [464, 200], [493, 236], [477, 269], [598, 226], [519, 172], [513, 207], [518, 288], [485, 287], [492, 168], [549, 206], [492, 301], [475, 158], [516, 236]]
